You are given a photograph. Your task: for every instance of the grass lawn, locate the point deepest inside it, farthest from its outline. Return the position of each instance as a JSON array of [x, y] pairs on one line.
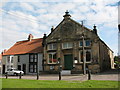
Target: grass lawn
[[23, 83]]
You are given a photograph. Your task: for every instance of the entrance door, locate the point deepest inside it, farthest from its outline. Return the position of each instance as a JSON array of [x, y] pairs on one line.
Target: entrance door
[[24, 68], [19, 67], [68, 61]]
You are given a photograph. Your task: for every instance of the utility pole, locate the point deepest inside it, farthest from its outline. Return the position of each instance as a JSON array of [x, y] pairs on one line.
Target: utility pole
[[84, 61]]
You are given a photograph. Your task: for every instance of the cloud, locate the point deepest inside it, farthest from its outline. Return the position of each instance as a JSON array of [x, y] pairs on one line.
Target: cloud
[[38, 16]]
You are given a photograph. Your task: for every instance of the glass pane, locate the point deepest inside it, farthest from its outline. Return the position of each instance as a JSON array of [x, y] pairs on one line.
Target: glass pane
[[34, 69], [35, 60], [81, 54], [31, 69], [87, 43], [70, 45], [50, 46], [35, 66], [88, 56], [64, 45], [35, 55], [31, 66], [31, 60], [81, 43], [54, 58], [50, 58], [54, 46], [31, 56]]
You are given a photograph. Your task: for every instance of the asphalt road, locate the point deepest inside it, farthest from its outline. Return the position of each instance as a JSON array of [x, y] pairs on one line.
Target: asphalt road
[[109, 75]]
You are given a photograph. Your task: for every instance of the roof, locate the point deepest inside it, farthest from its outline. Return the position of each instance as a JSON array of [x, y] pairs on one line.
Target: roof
[[26, 46]]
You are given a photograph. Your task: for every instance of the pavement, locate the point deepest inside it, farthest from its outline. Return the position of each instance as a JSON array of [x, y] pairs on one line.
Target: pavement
[[108, 75]]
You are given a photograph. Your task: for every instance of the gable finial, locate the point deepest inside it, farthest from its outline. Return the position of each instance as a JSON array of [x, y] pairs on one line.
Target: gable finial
[[67, 15]]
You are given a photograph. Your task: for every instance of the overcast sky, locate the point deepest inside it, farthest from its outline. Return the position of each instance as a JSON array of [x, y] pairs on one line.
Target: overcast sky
[[20, 18]]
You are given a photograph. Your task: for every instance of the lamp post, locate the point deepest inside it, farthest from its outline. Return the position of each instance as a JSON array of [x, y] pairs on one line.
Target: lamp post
[[84, 61], [60, 68], [37, 69]]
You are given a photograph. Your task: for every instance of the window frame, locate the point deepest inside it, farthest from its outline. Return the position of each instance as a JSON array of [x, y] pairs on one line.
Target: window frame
[[52, 58], [89, 42], [84, 43], [67, 45], [52, 45], [85, 56], [33, 63]]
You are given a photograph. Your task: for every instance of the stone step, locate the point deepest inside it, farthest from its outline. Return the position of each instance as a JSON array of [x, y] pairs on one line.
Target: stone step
[[66, 72]]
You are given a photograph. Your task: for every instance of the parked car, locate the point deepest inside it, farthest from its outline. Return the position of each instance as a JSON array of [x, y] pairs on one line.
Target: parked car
[[14, 71]]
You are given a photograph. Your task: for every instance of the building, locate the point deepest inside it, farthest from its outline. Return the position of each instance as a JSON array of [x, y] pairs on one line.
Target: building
[[0, 63], [76, 48], [119, 40], [24, 55]]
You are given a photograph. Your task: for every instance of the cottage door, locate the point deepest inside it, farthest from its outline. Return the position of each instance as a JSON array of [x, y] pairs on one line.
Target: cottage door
[[68, 61]]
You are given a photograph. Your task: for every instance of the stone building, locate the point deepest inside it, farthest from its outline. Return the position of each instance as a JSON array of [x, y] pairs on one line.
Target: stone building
[[76, 48]]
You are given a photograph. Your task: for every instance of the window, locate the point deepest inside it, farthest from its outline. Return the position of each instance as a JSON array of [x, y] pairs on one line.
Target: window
[[52, 58], [88, 56], [81, 56], [11, 59], [52, 46], [33, 63], [33, 57], [67, 45], [8, 59], [81, 43], [87, 43], [18, 58]]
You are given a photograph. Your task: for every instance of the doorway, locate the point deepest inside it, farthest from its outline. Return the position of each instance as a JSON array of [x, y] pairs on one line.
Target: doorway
[[68, 61], [24, 68]]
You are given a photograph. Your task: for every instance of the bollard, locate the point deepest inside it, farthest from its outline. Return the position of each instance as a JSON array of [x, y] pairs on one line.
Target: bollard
[[89, 74], [20, 76], [59, 75], [37, 75], [6, 75]]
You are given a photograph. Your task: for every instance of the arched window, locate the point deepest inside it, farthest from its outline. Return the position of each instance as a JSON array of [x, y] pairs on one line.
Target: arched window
[[88, 56]]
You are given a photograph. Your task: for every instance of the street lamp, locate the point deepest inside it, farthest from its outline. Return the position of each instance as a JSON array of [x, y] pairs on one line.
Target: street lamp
[[60, 68], [84, 62], [75, 61]]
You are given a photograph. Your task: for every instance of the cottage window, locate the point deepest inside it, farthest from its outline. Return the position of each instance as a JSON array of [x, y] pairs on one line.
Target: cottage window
[[33, 63], [52, 58], [67, 45], [11, 59], [52, 46], [18, 58]]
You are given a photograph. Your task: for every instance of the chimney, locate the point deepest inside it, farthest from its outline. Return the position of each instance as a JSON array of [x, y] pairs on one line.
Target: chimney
[[52, 29], [44, 40], [67, 15], [94, 29], [30, 37]]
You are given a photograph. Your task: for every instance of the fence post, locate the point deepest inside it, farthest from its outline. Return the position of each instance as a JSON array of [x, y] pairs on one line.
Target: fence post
[[60, 75], [6, 75], [20, 76], [89, 74]]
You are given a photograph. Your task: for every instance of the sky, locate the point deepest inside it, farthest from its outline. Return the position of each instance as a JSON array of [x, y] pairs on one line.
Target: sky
[[19, 18]]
